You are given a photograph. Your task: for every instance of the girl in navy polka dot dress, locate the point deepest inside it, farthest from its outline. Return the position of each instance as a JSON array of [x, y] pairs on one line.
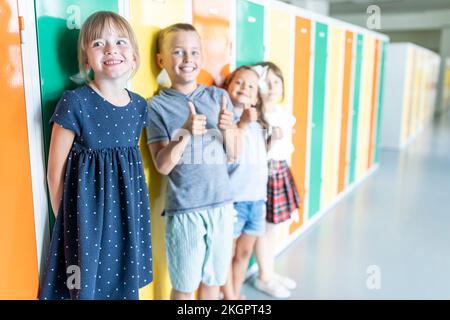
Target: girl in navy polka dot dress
[[101, 243]]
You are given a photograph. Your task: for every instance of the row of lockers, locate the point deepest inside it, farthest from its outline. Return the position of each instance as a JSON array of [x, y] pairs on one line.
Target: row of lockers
[[412, 74], [334, 88]]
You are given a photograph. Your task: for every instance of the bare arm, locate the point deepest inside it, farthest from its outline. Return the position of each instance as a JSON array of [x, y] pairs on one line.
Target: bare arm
[[233, 134], [61, 142], [166, 155]]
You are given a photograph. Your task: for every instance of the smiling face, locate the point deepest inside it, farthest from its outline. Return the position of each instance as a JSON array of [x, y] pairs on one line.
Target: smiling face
[[181, 56], [243, 88], [275, 88], [111, 56]]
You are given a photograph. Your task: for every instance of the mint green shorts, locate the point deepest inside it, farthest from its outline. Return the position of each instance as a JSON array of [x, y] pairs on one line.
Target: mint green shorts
[[198, 247]]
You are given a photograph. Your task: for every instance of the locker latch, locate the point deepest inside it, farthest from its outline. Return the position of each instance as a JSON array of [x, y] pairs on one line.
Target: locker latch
[[22, 29]]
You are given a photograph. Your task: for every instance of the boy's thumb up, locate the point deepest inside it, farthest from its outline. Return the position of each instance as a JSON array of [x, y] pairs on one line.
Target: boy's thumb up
[[224, 105], [192, 108]]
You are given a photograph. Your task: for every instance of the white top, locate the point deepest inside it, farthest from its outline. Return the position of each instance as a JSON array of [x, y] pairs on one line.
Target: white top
[[281, 149]]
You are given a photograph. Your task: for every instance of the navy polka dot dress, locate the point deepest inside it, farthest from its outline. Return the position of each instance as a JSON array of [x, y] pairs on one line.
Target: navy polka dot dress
[[101, 243]]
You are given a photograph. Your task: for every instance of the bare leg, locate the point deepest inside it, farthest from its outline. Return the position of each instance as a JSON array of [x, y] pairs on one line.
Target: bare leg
[[227, 289], [265, 253], [208, 292], [244, 248], [178, 295]]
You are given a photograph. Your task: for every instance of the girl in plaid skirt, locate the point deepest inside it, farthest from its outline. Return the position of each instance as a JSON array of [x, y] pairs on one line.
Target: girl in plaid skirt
[[282, 195]]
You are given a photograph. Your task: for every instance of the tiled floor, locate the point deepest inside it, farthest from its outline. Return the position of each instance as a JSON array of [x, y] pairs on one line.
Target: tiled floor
[[398, 220]]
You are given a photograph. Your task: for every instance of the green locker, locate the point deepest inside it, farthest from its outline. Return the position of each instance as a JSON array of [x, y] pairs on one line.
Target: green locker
[[380, 103], [355, 111], [317, 129], [58, 27], [249, 33]]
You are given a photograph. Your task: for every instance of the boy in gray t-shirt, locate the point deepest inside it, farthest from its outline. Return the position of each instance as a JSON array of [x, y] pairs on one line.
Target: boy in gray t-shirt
[[192, 136]]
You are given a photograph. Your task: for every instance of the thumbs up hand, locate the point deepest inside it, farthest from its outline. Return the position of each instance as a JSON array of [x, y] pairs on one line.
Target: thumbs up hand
[[196, 123], [225, 116], [250, 114]]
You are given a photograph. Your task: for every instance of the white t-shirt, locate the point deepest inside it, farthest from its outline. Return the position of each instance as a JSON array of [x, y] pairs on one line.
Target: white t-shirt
[[281, 149]]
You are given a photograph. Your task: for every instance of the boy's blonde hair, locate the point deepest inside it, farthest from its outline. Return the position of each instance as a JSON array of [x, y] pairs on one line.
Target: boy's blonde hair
[[93, 29], [173, 28]]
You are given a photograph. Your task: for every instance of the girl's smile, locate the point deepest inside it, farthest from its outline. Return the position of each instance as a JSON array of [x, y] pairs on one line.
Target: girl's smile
[[111, 56]]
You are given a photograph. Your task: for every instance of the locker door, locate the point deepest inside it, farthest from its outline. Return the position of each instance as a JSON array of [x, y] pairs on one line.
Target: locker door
[[333, 110], [380, 103], [18, 253], [320, 66], [343, 161], [356, 105], [58, 25], [374, 106], [302, 75], [366, 99], [212, 20], [280, 48], [147, 18], [249, 33]]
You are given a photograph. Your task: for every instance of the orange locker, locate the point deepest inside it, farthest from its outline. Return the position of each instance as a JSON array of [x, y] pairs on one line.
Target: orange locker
[[301, 98], [343, 160], [18, 256]]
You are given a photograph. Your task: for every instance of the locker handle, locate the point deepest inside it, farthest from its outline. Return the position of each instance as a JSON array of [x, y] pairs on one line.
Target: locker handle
[[22, 29], [213, 11]]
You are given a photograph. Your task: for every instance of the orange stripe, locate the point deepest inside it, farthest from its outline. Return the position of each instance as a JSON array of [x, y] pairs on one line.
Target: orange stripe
[[18, 255], [301, 94], [374, 104], [345, 109]]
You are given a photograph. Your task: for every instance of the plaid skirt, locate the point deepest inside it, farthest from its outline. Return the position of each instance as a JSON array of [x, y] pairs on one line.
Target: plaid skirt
[[282, 194]]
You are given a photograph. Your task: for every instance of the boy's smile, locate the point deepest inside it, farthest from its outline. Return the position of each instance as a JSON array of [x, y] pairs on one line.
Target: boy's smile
[[181, 56]]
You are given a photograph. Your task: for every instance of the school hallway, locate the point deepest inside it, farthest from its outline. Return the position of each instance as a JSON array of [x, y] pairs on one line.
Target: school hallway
[[397, 220]]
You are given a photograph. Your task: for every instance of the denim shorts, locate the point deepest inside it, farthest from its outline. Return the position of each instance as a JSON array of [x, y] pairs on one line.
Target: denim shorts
[[198, 247], [251, 218]]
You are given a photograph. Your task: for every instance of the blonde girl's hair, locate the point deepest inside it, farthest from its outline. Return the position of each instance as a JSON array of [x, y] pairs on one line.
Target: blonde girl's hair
[[259, 105], [94, 27]]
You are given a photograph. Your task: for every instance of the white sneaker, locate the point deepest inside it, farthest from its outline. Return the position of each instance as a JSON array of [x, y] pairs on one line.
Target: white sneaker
[[285, 281], [272, 288]]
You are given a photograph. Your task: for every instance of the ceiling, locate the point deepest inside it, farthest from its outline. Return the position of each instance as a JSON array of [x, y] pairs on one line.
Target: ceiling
[[339, 7]]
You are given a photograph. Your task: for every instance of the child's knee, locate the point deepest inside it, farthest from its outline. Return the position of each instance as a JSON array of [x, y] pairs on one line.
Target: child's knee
[[243, 254]]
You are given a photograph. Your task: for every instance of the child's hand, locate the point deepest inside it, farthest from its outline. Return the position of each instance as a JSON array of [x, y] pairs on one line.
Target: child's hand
[[250, 114], [225, 116], [277, 133], [196, 123]]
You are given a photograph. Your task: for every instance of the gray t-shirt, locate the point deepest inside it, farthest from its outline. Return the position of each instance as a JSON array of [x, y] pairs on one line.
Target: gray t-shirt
[[200, 180], [250, 174]]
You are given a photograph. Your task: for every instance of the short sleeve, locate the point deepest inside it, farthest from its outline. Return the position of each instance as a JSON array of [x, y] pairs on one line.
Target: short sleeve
[[156, 128], [68, 113], [145, 122]]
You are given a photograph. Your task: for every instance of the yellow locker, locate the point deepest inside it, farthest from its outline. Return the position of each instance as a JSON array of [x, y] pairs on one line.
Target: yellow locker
[[148, 18], [333, 111], [364, 120], [407, 96], [280, 48]]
